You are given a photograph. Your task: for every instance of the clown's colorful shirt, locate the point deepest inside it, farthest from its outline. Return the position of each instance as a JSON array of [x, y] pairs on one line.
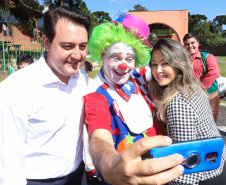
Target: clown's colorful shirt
[[127, 111]]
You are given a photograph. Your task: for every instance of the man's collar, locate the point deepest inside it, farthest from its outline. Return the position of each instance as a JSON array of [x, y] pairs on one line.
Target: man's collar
[[197, 55]]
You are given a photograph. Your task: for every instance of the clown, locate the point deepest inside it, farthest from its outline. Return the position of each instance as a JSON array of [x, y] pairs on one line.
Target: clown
[[122, 46]]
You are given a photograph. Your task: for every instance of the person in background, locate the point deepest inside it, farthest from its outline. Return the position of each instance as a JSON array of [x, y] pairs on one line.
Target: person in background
[[182, 103], [206, 69], [91, 174], [120, 113], [24, 60], [41, 108], [88, 66]]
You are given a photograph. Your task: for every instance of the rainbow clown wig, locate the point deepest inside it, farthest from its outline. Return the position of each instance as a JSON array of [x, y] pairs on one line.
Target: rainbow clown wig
[[106, 34]]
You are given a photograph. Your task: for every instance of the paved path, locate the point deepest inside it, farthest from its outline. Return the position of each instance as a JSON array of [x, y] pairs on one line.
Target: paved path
[[221, 121], [219, 60]]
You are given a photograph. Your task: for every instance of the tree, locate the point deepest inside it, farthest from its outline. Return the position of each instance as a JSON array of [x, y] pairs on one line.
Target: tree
[[220, 20], [34, 5], [215, 28], [5, 5], [138, 8], [101, 16], [195, 21], [224, 33], [97, 17], [210, 39], [208, 32], [78, 4]]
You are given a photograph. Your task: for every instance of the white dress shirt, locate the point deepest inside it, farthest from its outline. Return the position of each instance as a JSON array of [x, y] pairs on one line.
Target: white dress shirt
[[40, 124]]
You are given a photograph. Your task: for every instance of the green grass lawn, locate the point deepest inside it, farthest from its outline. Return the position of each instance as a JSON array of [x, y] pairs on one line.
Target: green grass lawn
[[3, 78], [222, 58], [93, 73], [221, 65], [222, 103], [222, 69]]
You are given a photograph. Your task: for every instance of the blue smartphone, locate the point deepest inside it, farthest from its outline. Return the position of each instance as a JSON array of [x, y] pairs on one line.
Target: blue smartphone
[[199, 155]]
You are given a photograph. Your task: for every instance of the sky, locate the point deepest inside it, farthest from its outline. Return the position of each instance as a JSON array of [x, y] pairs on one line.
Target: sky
[[209, 8]]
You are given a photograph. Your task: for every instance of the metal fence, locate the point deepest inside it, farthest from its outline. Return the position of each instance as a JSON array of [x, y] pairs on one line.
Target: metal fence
[[9, 52]]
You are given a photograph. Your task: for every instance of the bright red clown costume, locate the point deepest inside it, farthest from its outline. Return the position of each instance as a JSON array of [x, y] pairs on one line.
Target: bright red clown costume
[[118, 99]]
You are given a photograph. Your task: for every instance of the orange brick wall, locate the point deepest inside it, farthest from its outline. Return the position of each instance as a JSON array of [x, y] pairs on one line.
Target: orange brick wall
[[21, 33]]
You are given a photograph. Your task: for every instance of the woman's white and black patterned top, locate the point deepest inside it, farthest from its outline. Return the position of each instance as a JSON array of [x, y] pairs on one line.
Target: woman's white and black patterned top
[[191, 120]]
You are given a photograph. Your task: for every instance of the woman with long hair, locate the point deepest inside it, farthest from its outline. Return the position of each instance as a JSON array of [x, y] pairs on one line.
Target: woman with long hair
[[182, 103]]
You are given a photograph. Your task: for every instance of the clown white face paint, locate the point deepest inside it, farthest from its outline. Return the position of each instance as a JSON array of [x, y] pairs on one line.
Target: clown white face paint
[[119, 62]]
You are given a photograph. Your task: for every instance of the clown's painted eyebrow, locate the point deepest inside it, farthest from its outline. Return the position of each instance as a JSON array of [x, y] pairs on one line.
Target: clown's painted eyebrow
[[129, 55], [120, 54], [115, 55]]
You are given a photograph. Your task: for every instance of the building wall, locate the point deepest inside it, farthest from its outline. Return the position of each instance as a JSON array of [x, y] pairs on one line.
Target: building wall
[[20, 32], [215, 50], [177, 20], [6, 38]]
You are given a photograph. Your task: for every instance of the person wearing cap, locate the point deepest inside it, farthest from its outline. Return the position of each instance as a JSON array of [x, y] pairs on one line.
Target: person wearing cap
[[120, 114]]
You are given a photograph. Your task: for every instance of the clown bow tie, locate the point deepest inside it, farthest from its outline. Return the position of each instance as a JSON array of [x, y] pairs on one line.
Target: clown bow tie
[[123, 90]]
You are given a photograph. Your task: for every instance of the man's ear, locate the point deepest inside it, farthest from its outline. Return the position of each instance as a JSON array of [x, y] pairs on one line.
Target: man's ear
[[102, 56], [46, 42]]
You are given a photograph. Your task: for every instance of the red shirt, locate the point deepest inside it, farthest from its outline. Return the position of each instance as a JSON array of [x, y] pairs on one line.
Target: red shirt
[[212, 69], [97, 112]]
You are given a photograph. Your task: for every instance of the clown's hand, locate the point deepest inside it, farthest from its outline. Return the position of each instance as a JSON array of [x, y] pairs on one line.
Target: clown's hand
[[128, 166]]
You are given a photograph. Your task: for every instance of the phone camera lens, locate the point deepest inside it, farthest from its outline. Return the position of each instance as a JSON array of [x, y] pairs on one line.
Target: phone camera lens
[[192, 161], [211, 156]]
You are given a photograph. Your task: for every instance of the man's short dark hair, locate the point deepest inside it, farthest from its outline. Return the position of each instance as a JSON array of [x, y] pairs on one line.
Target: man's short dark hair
[[52, 16], [190, 35], [24, 58], [88, 67]]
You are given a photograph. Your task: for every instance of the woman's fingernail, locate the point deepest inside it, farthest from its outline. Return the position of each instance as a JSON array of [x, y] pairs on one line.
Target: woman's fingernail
[[180, 158], [181, 169]]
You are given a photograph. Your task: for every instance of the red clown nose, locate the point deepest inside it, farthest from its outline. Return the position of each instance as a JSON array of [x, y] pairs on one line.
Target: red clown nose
[[123, 66]]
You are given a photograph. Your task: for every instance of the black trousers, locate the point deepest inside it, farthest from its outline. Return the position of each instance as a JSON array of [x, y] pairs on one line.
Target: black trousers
[[74, 178]]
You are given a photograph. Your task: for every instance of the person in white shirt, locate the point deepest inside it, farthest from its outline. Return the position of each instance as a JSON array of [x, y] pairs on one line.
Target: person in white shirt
[[41, 108]]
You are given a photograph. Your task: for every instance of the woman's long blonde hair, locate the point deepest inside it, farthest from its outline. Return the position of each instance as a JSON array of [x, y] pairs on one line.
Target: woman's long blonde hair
[[185, 83]]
